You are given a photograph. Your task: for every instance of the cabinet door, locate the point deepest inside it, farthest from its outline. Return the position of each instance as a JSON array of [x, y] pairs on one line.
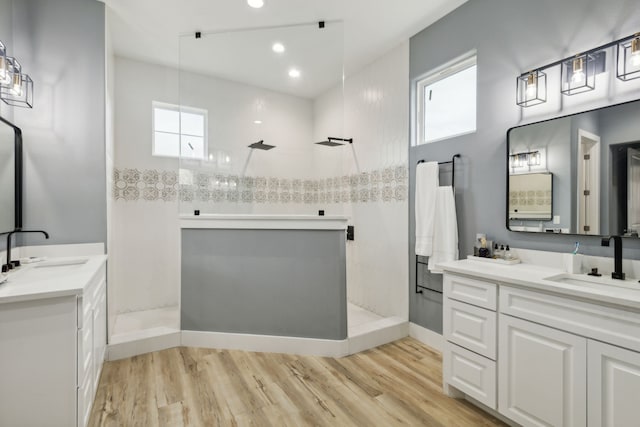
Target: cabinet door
[[614, 385], [542, 374]]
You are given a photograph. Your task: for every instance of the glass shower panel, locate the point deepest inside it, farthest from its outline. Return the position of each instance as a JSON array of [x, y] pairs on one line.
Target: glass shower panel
[[259, 153]]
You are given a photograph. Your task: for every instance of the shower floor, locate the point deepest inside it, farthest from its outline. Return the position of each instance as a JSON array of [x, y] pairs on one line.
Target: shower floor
[[145, 324], [150, 330]]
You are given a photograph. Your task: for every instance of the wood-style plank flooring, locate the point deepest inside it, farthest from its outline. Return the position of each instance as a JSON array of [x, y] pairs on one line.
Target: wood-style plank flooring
[[396, 384]]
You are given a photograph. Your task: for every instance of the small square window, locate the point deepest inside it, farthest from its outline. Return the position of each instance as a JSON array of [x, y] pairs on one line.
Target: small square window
[[446, 101], [179, 131]]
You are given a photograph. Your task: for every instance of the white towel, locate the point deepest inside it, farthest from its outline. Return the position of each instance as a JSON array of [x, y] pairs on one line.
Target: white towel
[[426, 185], [445, 230]]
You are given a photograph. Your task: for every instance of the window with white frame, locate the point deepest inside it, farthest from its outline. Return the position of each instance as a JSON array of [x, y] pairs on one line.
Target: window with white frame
[[446, 101], [179, 131]]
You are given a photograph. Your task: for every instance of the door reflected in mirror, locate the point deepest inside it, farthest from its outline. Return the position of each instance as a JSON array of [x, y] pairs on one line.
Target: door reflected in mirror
[[592, 160]]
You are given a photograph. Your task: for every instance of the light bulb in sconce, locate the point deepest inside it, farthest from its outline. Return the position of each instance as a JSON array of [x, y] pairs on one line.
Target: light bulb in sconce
[[578, 71], [635, 52], [532, 86]]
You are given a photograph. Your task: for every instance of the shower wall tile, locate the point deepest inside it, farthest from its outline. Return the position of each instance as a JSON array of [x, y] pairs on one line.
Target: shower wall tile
[[214, 188], [376, 115]]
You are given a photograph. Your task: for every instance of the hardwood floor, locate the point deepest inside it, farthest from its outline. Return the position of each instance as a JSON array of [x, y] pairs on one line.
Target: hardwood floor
[[395, 384]]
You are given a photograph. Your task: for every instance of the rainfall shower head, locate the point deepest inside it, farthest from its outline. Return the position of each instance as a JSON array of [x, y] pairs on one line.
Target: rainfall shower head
[[334, 142], [260, 145]]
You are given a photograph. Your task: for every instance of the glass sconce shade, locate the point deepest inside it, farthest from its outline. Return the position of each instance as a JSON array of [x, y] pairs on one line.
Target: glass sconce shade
[[578, 74], [531, 89], [629, 58], [19, 94], [4, 66]]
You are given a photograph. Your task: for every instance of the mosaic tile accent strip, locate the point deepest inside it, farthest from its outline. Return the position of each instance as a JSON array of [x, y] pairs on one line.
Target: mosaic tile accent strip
[[383, 185]]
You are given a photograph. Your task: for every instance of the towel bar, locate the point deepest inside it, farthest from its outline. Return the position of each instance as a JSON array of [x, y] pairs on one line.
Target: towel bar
[[452, 162]]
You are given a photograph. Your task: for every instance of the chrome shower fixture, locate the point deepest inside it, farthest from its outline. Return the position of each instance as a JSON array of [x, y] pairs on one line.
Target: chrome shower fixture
[[260, 145], [334, 142]]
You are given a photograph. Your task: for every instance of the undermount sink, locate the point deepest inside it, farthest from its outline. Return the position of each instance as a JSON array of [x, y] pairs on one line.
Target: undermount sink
[[62, 263], [593, 281]]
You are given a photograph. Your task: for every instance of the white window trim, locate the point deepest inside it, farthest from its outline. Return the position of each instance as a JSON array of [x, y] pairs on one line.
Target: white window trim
[[179, 109], [454, 66]]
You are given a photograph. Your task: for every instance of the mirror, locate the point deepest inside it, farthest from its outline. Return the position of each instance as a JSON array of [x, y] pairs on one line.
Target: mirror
[[10, 177], [590, 163]]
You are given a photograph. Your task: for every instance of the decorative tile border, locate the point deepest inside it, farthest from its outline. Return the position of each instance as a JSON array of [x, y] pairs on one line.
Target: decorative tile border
[[381, 185]]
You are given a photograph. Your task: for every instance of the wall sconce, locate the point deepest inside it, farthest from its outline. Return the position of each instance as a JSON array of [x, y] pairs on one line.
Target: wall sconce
[[629, 58], [525, 159], [16, 88], [4, 66], [531, 88], [578, 73]]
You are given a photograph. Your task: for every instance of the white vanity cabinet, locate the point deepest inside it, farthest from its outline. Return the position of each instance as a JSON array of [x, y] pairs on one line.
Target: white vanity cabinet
[[541, 373], [554, 359], [52, 345], [470, 330], [613, 375]]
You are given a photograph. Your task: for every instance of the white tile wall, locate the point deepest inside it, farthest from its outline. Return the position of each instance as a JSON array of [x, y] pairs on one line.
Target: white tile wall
[[376, 115]]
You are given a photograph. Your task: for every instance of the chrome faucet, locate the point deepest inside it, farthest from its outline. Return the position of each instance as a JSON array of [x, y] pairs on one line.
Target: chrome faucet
[[11, 264], [617, 256]]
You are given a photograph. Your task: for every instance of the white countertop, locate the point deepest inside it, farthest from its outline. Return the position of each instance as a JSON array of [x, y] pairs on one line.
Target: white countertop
[[45, 279], [267, 222], [533, 277]]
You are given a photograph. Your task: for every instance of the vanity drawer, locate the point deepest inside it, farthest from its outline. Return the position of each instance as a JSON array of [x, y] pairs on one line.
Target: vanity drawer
[[604, 323], [471, 327], [472, 291], [470, 373]]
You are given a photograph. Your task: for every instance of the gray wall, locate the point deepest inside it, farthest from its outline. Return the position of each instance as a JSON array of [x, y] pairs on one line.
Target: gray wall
[[265, 282], [61, 45], [510, 37]]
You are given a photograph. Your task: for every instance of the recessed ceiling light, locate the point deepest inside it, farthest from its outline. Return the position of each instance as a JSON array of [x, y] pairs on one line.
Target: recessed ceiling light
[[258, 122], [256, 4], [278, 47], [294, 73]]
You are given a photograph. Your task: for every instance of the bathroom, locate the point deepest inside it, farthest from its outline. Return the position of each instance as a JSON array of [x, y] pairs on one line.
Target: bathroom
[[90, 175]]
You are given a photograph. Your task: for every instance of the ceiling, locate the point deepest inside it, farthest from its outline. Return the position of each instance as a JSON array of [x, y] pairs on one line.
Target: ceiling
[[151, 30]]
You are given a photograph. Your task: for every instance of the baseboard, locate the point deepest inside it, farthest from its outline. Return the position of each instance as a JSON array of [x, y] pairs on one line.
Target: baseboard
[[427, 336], [136, 347], [266, 343]]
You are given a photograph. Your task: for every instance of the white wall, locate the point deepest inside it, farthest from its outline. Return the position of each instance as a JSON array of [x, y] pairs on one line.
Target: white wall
[[376, 115]]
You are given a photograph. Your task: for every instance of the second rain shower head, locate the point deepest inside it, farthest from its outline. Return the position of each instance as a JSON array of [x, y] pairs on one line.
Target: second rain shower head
[[260, 145], [335, 142]]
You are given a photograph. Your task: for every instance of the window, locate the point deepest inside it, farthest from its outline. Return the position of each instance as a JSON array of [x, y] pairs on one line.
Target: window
[[179, 131], [446, 101]]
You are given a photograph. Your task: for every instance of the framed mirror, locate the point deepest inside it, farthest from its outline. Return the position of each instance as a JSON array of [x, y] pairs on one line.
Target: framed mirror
[[591, 164], [10, 177]]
